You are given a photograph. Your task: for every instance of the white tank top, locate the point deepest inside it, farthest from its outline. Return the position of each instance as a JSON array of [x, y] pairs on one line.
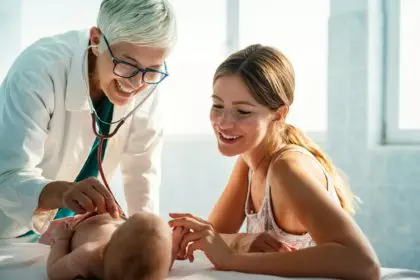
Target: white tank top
[[264, 221]]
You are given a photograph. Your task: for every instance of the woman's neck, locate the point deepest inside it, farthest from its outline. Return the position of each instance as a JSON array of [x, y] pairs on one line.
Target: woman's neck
[[259, 157], [256, 157]]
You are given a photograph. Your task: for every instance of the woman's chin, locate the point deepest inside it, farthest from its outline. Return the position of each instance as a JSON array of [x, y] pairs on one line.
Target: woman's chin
[[228, 152]]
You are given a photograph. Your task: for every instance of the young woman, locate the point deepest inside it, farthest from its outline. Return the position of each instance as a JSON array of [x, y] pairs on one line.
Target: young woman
[[296, 206]]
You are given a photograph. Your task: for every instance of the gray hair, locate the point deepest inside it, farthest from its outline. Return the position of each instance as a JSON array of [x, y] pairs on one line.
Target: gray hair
[[141, 22]]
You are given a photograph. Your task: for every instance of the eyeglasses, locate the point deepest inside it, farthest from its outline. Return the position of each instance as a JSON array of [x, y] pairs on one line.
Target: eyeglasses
[[129, 71]]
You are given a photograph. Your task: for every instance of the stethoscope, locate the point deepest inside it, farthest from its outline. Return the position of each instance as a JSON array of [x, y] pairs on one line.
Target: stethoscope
[[102, 137]]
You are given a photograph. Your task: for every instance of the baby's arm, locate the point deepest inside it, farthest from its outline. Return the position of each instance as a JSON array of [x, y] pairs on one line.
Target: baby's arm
[[58, 263]]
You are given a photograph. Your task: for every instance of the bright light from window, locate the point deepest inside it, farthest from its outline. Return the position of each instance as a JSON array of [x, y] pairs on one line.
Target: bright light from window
[[299, 29], [47, 17], [200, 48], [409, 87]]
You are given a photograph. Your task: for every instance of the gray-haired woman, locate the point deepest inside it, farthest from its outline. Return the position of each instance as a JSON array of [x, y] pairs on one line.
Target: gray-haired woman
[[64, 91]]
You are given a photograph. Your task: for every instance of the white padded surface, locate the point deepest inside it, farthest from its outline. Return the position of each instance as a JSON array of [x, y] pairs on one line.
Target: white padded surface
[[21, 261]]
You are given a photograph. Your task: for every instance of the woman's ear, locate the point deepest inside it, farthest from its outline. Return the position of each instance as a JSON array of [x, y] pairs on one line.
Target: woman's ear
[[281, 113], [95, 39]]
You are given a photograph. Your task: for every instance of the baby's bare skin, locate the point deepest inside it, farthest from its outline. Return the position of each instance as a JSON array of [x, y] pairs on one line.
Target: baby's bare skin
[[87, 242], [94, 230]]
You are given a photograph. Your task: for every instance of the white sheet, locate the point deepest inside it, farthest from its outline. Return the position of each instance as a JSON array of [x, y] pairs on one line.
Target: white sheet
[[21, 261]]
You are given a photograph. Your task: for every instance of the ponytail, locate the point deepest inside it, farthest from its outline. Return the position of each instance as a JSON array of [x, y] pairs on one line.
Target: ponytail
[[293, 135]]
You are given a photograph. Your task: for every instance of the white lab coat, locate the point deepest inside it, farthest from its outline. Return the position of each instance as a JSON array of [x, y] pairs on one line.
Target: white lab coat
[[46, 134]]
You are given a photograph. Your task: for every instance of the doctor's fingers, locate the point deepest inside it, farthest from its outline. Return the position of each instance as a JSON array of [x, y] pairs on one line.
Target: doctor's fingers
[[84, 201], [97, 198], [110, 204], [74, 206]]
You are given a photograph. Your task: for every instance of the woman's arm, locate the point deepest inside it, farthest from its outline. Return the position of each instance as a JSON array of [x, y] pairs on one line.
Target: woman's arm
[[228, 214], [342, 250], [328, 260]]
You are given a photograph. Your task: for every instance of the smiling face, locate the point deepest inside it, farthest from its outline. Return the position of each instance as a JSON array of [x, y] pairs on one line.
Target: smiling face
[[121, 90], [240, 123]]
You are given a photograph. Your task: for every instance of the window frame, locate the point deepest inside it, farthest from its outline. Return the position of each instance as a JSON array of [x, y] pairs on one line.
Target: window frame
[[393, 134]]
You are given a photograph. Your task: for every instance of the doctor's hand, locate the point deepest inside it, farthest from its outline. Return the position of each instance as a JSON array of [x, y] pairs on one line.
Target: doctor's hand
[[201, 236], [88, 195]]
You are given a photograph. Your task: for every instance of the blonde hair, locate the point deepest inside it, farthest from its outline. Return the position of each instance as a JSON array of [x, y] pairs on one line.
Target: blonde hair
[[270, 78]]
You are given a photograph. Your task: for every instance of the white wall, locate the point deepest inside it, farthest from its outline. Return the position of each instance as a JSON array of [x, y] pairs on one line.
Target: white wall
[[385, 177], [10, 34], [194, 174]]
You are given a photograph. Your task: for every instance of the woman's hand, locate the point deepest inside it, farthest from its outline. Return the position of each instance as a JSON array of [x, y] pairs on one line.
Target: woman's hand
[[259, 242], [201, 236]]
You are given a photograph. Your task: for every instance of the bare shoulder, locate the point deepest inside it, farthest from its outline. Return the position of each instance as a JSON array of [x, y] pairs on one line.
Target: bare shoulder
[[291, 169]]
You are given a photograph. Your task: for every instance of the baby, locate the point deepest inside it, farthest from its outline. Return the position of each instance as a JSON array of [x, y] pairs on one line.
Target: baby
[[98, 246]]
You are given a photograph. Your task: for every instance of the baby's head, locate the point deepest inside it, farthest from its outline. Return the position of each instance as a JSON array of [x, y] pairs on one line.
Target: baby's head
[[139, 249]]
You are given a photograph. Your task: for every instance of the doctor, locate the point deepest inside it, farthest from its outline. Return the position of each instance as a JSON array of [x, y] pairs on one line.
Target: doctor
[[48, 151]]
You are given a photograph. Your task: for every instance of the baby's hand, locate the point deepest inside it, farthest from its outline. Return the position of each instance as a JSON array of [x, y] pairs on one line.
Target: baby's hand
[[62, 232], [177, 236]]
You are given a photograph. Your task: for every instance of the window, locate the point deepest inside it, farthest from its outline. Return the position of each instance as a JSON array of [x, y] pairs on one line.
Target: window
[[298, 28], [10, 35], [402, 71], [201, 46], [48, 17]]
